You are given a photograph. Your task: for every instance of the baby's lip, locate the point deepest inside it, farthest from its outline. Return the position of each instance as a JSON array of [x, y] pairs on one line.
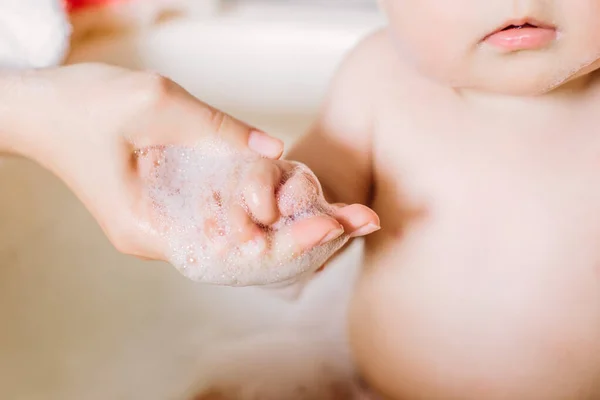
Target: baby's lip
[[519, 23]]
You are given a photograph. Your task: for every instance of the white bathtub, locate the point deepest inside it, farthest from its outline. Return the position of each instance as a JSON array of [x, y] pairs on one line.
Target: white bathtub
[[79, 321]]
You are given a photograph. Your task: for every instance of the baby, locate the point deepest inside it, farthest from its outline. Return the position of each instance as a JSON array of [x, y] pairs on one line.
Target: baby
[[468, 126]]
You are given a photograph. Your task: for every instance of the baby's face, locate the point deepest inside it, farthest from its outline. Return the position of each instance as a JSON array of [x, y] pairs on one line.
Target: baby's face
[[461, 42]]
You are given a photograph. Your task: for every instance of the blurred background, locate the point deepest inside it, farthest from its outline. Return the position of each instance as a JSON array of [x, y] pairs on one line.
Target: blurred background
[[337, 3]]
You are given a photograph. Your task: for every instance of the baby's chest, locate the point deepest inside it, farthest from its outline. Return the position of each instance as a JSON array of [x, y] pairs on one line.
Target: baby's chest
[[487, 193]]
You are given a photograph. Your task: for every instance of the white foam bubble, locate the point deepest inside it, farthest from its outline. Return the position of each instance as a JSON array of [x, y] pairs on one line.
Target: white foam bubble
[[193, 191]]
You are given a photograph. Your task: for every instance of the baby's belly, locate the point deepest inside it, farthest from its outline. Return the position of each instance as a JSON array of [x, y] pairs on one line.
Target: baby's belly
[[518, 260], [515, 257], [513, 289]]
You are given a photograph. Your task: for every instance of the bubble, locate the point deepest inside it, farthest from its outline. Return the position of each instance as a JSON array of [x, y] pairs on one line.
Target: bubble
[[193, 192]]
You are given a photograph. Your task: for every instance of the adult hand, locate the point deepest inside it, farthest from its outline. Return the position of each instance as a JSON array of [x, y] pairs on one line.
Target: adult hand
[[84, 123]]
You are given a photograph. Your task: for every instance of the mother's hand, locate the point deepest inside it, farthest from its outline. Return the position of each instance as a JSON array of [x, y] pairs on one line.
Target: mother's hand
[[84, 123]]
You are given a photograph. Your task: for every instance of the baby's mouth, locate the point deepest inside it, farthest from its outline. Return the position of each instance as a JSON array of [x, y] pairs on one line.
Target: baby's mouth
[[521, 35], [511, 26]]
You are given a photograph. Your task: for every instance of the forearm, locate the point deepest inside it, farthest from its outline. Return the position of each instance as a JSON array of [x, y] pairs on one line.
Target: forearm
[[32, 104], [338, 148], [17, 110]]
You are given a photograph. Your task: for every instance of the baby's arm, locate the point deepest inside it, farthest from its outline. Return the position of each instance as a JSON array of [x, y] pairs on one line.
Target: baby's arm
[[338, 147]]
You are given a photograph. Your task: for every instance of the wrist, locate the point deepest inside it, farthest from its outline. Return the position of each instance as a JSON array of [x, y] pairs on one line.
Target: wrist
[[12, 90], [21, 111]]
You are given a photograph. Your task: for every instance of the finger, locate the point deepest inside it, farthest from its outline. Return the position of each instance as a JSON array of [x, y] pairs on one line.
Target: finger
[[299, 192], [240, 135], [357, 220], [259, 191], [235, 231], [306, 234], [265, 144], [183, 120], [243, 229]]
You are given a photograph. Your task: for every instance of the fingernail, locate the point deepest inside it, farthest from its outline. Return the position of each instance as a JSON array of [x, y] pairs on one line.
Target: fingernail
[[333, 234], [264, 144], [365, 230]]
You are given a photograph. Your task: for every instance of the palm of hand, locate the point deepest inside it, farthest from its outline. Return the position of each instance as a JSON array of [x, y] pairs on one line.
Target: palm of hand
[[235, 218]]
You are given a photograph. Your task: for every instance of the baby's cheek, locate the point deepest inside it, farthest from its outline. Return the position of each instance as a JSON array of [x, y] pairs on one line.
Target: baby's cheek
[[419, 336]]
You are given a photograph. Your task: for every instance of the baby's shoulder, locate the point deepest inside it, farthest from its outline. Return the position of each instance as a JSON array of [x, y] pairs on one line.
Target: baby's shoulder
[[353, 96], [370, 64], [373, 86], [374, 72]]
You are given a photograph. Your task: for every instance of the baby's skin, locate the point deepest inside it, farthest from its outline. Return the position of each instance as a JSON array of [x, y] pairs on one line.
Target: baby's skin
[[480, 154], [479, 150]]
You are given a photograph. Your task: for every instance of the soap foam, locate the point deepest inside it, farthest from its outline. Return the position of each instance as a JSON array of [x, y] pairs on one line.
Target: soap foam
[[194, 192]]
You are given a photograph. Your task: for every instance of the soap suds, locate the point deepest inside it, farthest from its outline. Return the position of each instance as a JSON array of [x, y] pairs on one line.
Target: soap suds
[[196, 193]]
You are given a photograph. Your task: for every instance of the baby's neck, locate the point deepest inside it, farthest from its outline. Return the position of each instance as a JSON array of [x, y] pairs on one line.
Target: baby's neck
[[568, 93]]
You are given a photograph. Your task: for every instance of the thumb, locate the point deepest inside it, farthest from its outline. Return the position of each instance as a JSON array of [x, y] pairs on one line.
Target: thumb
[[183, 120], [357, 219]]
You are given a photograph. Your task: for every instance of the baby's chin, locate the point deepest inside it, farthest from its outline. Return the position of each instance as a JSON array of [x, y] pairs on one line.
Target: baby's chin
[[524, 85], [522, 76], [517, 83], [417, 341]]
